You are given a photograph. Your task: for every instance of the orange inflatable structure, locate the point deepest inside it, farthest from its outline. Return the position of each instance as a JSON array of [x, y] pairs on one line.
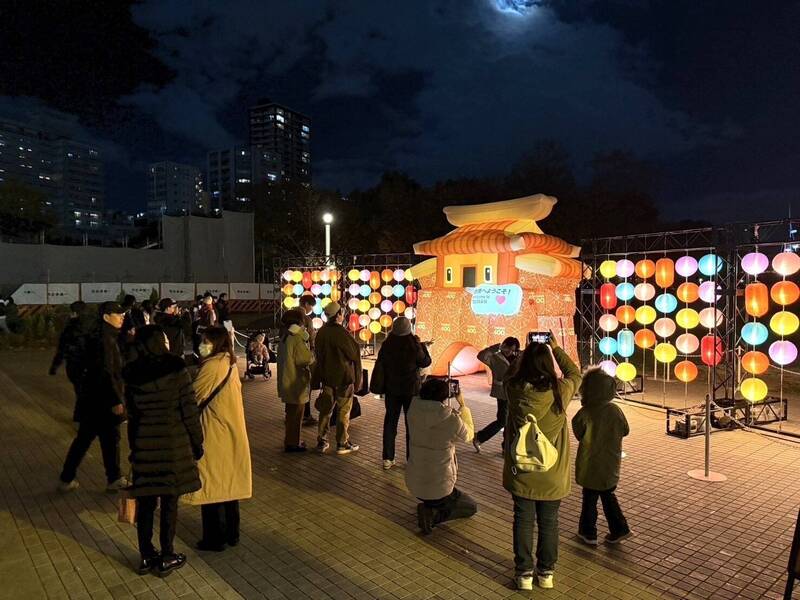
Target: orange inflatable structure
[[496, 275]]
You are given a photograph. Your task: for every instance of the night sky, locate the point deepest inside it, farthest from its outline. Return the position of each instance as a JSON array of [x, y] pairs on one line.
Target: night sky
[[708, 91]]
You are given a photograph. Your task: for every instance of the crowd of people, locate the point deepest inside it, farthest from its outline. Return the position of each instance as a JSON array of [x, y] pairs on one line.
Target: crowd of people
[[188, 437]]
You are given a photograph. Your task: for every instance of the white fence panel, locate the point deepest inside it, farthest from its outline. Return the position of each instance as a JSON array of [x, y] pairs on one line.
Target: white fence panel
[[100, 292], [244, 291], [31, 293], [270, 291], [215, 288], [63, 293], [140, 291], [180, 292]]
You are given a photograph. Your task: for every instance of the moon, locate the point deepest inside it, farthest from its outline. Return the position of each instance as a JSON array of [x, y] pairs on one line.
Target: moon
[[519, 7]]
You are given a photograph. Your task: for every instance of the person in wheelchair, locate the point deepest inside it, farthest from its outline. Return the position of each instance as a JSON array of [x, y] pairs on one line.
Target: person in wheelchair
[[257, 357]]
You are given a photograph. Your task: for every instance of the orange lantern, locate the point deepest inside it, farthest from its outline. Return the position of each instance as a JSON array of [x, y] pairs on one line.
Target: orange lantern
[[756, 299], [288, 289], [399, 307], [375, 298], [645, 338], [352, 323], [336, 294], [755, 362], [626, 314], [785, 293], [365, 335], [316, 276], [711, 350], [307, 281], [645, 268], [386, 321], [387, 275], [686, 371], [688, 292], [374, 280], [608, 296], [665, 272]]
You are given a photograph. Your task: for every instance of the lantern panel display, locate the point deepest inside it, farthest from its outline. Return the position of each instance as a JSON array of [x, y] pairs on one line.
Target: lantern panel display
[[626, 372], [755, 263], [688, 292], [785, 293], [756, 299], [712, 350], [708, 292], [686, 266], [608, 269], [666, 303], [625, 268], [784, 323], [664, 327], [645, 268], [755, 362], [305, 283], [645, 338], [686, 371], [711, 317], [644, 292], [786, 263], [608, 346], [665, 352], [665, 272], [754, 389], [644, 315], [608, 322], [687, 318], [754, 334], [624, 291], [687, 343], [609, 366], [625, 344], [626, 314], [710, 265]]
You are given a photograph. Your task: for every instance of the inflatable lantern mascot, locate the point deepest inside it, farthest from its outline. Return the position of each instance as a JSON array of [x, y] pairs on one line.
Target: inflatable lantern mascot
[[495, 275]]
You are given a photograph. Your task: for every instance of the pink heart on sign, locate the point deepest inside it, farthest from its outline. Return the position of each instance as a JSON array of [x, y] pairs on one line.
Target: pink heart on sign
[[500, 299]]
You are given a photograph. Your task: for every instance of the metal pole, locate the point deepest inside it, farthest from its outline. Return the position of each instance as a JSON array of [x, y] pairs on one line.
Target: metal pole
[[328, 243]]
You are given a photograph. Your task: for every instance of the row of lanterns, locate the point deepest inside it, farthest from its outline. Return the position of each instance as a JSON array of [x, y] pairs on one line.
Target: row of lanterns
[[376, 298], [664, 269]]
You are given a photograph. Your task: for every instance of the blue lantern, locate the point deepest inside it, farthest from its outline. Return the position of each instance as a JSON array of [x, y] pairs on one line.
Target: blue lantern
[[666, 303], [624, 291], [754, 334], [365, 290], [326, 289], [399, 291], [608, 345], [298, 289], [710, 264], [625, 345]]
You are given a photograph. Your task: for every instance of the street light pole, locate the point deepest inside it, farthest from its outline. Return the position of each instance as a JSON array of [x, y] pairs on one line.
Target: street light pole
[[327, 218]]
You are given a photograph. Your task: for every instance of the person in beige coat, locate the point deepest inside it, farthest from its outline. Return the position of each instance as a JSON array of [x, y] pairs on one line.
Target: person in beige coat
[[432, 469], [225, 469], [294, 377]]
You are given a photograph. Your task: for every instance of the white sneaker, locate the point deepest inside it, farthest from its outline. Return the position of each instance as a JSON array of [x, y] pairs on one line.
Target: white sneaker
[[546, 582], [117, 485], [68, 486], [524, 582], [477, 445], [388, 464]]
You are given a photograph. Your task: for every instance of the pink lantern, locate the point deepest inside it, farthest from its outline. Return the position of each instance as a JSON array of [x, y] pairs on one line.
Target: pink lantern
[[686, 266], [609, 366], [625, 268], [608, 322], [783, 352], [687, 343], [711, 317], [386, 306], [664, 327], [786, 263], [755, 263], [644, 292], [354, 289], [707, 292]]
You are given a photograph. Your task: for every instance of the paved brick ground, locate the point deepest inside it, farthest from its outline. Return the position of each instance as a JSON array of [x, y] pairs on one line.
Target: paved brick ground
[[341, 527]]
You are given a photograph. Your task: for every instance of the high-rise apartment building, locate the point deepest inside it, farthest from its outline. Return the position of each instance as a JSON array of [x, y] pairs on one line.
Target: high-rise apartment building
[[233, 171], [173, 189], [285, 133]]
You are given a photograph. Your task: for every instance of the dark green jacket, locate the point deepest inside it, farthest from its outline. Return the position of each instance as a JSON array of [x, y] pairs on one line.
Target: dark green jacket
[[338, 363], [523, 399]]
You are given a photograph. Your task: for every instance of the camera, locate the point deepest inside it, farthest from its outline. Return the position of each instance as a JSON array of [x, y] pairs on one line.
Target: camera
[[454, 386], [538, 337]]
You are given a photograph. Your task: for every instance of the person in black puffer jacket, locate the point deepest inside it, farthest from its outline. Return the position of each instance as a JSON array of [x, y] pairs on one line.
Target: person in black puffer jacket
[[166, 440], [176, 323]]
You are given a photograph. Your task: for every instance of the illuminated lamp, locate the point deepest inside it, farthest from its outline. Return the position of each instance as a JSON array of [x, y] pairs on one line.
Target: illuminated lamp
[[386, 306], [307, 282], [411, 294], [608, 269], [756, 299], [711, 317], [626, 314], [644, 315], [375, 327], [687, 318], [316, 289], [784, 323], [316, 276], [363, 320], [363, 306], [785, 293], [354, 289], [665, 353], [709, 265], [754, 334], [686, 266], [399, 275], [626, 372], [665, 272], [386, 321], [687, 343], [645, 338], [609, 366], [645, 268], [755, 263], [288, 302], [386, 275], [325, 301], [297, 276], [287, 275], [755, 362], [410, 313], [753, 389], [783, 352], [399, 307], [644, 291], [352, 304], [666, 303], [409, 276], [608, 297], [688, 292], [336, 294], [625, 345], [334, 275], [316, 322], [374, 298], [625, 268], [624, 291], [374, 280], [288, 289], [352, 323], [608, 322], [664, 327], [707, 292], [786, 263], [686, 371], [325, 275], [712, 350], [317, 310], [364, 290], [386, 291], [365, 335], [326, 289], [399, 291], [374, 313], [607, 345], [298, 289]]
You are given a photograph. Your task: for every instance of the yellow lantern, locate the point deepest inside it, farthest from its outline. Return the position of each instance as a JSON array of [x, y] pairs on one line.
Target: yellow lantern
[[754, 389], [325, 302], [386, 321], [608, 268], [297, 276], [375, 327], [289, 302], [626, 372], [784, 323], [688, 318], [645, 314], [409, 276], [288, 289], [364, 306], [354, 274], [665, 353]]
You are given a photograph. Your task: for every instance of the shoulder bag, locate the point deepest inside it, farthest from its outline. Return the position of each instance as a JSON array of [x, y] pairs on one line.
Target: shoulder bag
[[202, 406]]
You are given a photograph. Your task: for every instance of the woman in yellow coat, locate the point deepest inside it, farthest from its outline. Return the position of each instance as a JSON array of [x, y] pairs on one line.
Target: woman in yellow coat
[[225, 469]]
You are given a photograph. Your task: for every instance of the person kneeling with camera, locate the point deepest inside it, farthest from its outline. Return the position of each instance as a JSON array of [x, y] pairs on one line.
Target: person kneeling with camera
[[434, 428]]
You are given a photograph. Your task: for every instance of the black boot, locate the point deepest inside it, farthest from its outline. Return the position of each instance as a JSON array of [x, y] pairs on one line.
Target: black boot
[[149, 563], [170, 563]]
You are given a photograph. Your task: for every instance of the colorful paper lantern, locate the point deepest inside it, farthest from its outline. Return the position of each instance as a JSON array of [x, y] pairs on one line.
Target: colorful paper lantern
[[784, 323], [608, 322], [410, 313], [666, 303], [686, 266], [289, 302], [386, 291], [753, 389], [625, 268], [307, 282], [624, 291], [325, 301], [325, 275], [665, 352], [374, 280], [626, 372], [399, 307], [352, 304], [686, 371], [665, 272], [708, 292], [645, 268], [785, 293], [710, 265], [644, 291], [354, 289], [399, 275], [664, 327], [687, 343], [354, 274], [365, 335], [287, 275], [316, 276], [374, 313], [399, 291], [385, 321], [374, 298], [608, 269], [711, 317], [755, 362], [336, 294], [317, 310], [297, 276], [353, 323], [688, 292], [375, 327], [755, 263], [316, 322], [607, 345], [687, 318], [411, 294], [288, 289], [625, 345], [645, 338], [365, 290], [754, 334], [386, 306], [363, 320], [608, 296], [298, 289], [712, 350], [363, 306], [609, 366], [626, 314], [334, 275], [316, 289], [786, 263], [387, 275], [409, 276], [644, 315], [783, 352], [756, 299]]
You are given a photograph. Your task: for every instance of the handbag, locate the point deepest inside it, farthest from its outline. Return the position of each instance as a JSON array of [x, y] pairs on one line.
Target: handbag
[[355, 411], [531, 451], [364, 389], [126, 506], [378, 384], [202, 406]]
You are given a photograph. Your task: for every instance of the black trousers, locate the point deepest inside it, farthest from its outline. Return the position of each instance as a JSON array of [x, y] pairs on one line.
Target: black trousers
[[108, 431], [145, 510], [220, 522], [617, 524], [493, 428], [394, 404], [455, 506]]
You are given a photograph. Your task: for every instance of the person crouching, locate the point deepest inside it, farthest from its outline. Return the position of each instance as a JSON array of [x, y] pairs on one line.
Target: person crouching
[[432, 470]]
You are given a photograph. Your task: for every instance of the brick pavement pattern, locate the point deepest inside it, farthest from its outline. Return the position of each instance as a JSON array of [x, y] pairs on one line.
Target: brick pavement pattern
[[342, 528]]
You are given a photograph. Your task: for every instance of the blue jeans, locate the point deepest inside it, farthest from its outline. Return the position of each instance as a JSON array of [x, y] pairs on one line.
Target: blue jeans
[[545, 513]]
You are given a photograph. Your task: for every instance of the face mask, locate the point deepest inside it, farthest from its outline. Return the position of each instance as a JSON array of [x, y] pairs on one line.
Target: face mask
[[205, 350]]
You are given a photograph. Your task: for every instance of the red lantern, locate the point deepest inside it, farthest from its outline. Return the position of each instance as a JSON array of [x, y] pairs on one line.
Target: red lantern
[[711, 350], [608, 296], [665, 272], [352, 323], [411, 295], [756, 299], [307, 281]]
